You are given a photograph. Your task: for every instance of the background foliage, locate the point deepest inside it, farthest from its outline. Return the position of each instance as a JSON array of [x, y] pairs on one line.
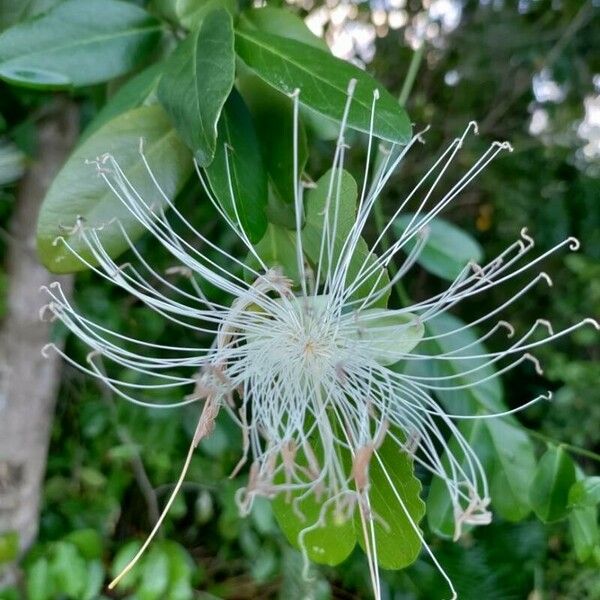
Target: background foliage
[[528, 72]]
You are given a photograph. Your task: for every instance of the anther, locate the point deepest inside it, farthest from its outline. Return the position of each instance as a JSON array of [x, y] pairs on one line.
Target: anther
[[546, 324], [508, 326], [527, 237], [535, 361]]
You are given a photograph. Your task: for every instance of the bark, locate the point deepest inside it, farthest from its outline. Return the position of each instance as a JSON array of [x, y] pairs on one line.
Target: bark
[[29, 382]]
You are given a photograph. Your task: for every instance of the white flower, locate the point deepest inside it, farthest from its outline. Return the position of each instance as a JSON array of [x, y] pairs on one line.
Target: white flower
[[296, 361]]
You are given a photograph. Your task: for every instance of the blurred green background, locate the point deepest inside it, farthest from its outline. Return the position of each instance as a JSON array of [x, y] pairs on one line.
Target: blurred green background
[[529, 72]]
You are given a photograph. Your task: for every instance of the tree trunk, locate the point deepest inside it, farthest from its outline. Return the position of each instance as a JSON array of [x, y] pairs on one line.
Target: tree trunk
[[29, 382]]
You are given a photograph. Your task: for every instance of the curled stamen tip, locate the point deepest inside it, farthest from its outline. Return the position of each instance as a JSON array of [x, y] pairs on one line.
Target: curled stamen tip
[[549, 396], [547, 278], [93, 354], [507, 325], [546, 324], [535, 361], [503, 145], [574, 244], [46, 349], [525, 235], [474, 126], [593, 322]]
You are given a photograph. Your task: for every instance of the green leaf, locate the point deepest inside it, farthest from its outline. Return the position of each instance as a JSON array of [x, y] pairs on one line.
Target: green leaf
[[448, 248], [553, 479], [154, 575], [15, 11], [9, 546], [246, 177], [584, 530], [277, 248], [180, 571], [68, 570], [197, 79], [317, 205], [273, 118], [281, 22], [329, 543], [139, 90], [512, 469], [190, 13], [77, 44], [323, 81], [388, 335], [87, 541], [585, 492], [398, 544], [122, 559], [78, 191], [95, 580], [38, 582]]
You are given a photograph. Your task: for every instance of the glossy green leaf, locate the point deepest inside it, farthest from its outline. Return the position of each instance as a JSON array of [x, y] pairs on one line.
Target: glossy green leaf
[[394, 491], [512, 469], [190, 13], [583, 525], [273, 118], [138, 91], [317, 205], [388, 335], [87, 541], [238, 169], [78, 191], [277, 248], [197, 79], [95, 580], [585, 492], [68, 570], [553, 479], [77, 44], [154, 579], [281, 22], [15, 11], [330, 542], [38, 582], [448, 248], [323, 80], [9, 546], [122, 559]]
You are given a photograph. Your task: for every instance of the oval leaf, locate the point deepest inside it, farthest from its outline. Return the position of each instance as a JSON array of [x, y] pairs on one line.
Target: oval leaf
[[190, 13], [77, 44], [585, 492], [448, 248], [273, 117], [238, 170], [331, 542], [394, 498], [388, 335], [553, 479], [197, 79], [78, 191], [323, 81], [137, 91]]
